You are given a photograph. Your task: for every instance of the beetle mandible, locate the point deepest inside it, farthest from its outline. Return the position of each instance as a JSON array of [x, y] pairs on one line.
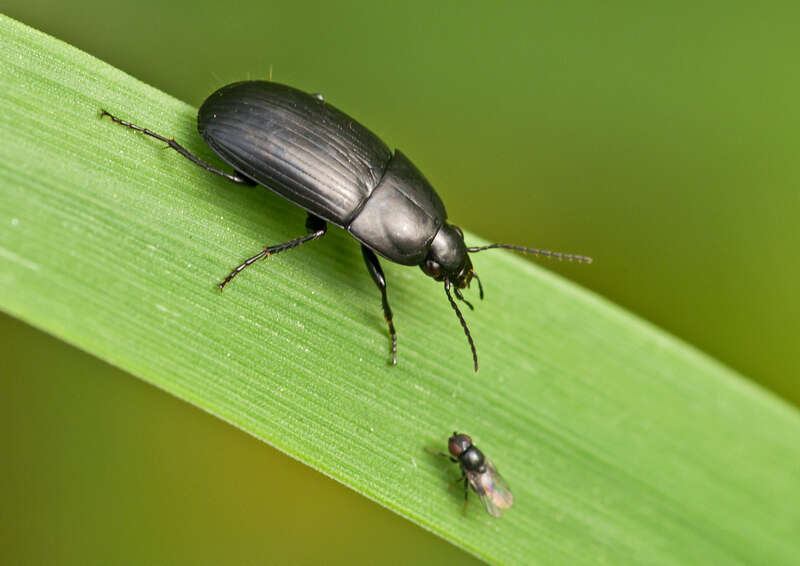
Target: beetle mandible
[[320, 159]]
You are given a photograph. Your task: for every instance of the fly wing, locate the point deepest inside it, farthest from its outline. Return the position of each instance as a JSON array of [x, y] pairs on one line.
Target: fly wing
[[492, 489]]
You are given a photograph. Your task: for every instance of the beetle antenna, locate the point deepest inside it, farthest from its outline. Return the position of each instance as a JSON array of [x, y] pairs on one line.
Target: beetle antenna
[[462, 321], [460, 297], [534, 251]]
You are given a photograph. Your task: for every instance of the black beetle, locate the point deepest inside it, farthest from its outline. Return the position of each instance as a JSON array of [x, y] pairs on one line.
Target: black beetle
[[319, 158]]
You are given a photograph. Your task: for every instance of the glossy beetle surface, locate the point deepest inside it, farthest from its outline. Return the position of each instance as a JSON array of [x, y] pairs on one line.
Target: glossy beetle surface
[[320, 159]]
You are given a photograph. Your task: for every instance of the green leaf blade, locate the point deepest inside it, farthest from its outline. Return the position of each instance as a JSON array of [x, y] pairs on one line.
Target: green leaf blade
[[620, 443]]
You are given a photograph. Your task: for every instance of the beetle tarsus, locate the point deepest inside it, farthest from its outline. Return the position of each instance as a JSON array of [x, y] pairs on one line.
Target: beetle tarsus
[[239, 268], [393, 337], [376, 272], [171, 143]]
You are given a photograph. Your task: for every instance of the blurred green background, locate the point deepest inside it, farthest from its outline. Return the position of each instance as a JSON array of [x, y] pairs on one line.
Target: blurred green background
[[661, 140]]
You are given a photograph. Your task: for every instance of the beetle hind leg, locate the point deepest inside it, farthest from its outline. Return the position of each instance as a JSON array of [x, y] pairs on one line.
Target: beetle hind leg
[[316, 229], [235, 177], [374, 268]]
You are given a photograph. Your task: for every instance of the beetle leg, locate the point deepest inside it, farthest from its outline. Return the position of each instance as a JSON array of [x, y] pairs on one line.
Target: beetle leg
[[232, 177], [374, 268], [316, 227]]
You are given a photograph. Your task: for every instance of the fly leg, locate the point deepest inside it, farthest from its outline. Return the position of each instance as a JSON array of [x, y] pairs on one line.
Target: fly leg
[[466, 494], [442, 455]]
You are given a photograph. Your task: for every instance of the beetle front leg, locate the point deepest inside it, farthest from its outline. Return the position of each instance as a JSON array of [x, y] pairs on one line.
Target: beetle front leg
[[316, 228], [374, 268]]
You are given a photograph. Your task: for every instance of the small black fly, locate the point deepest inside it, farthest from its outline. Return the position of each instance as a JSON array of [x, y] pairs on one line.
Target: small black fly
[[478, 472]]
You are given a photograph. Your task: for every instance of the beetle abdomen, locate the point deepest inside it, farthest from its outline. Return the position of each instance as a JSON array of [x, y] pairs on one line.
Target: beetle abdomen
[[296, 145]]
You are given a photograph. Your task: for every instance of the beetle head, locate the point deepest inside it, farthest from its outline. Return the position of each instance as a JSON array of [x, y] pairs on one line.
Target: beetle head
[[447, 257], [448, 261]]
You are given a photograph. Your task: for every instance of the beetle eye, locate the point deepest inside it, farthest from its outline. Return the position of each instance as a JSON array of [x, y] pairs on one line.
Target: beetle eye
[[432, 269]]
